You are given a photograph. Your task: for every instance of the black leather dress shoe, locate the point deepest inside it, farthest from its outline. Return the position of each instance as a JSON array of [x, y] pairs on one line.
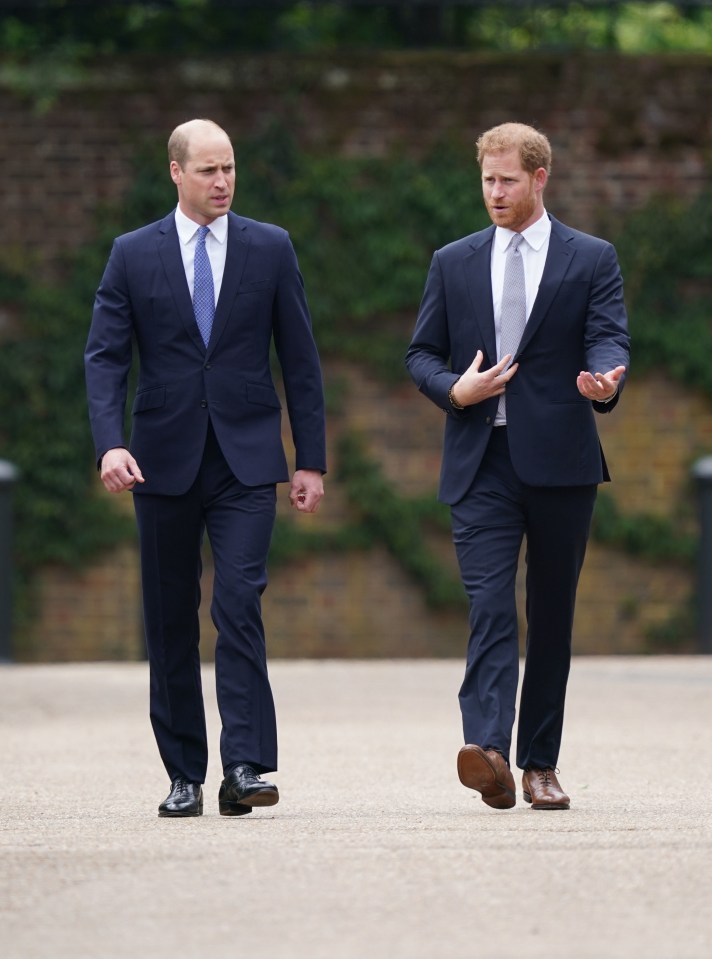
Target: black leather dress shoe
[[242, 789], [184, 799]]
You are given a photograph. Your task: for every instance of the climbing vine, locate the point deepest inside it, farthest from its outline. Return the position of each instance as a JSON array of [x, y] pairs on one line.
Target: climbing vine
[[364, 231]]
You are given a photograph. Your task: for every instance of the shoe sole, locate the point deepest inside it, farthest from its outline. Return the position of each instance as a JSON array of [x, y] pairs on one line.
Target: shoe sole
[[477, 772], [229, 807], [165, 814], [541, 805]]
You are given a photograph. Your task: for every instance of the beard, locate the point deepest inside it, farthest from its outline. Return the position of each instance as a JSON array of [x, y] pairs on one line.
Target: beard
[[514, 215]]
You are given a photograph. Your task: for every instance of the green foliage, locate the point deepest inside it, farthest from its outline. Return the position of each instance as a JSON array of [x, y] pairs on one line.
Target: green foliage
[[364, 231], [41, 54], [676, 634], [290, 542], [41, 78], [663, 27], [198, 27], [44, 432], [309, 27], [627, 27], [114, 27], [652, 538], [396, 522], [666, 257], [500, 27]]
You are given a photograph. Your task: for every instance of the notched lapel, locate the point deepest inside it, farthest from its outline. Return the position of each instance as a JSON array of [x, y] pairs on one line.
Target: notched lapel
[[238, 244], [559, 258], [169, 252], [478, 276]]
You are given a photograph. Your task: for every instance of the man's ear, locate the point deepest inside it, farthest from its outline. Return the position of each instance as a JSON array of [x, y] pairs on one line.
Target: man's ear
[[175, 172], [540, 178]]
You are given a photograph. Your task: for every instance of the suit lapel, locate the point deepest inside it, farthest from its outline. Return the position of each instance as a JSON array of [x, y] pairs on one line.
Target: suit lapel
[[169, 252], [238, 244], [478, 276], [559, 258]]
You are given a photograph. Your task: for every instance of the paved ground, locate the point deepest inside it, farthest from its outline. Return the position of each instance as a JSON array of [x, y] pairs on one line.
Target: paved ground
[[375, 850]]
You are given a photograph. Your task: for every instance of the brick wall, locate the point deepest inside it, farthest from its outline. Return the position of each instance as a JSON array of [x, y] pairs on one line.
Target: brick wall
[[363, 604], [622, 130]]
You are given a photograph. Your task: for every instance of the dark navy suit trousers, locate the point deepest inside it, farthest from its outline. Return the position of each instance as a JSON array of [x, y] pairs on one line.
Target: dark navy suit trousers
[[239, 521], [489, 526]]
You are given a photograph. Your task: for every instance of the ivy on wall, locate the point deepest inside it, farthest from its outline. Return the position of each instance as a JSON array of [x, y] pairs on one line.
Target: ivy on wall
[[364, 231], [397, 522], [656, 539], [666, 257], [44, 431]]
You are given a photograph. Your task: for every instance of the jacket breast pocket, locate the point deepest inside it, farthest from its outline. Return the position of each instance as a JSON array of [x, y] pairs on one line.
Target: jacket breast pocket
[[149, 399], [254, 286]]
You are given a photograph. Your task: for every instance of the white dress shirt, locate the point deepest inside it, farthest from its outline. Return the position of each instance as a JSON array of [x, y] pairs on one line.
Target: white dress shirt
[[215, 244]]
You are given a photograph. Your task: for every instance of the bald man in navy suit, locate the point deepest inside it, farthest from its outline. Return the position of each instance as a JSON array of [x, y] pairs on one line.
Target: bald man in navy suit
[[206, 452], [521, 457]]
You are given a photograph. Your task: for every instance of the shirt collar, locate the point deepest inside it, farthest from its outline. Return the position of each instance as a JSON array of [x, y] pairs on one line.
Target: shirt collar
[[187, 228], [535, 235]]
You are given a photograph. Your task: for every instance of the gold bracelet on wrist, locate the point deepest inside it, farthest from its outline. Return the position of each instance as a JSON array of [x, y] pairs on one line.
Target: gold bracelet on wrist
[[453, 402]]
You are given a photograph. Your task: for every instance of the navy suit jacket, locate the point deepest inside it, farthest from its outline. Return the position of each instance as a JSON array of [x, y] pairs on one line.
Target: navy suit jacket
[[577, 322], [144, 299]]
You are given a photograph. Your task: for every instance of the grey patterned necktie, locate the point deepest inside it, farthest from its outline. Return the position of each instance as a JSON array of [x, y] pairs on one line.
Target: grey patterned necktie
[[203, 287], [513, 317]]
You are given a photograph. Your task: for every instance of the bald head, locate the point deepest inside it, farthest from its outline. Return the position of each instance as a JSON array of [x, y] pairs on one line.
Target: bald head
[[202, 166], [180, 140]]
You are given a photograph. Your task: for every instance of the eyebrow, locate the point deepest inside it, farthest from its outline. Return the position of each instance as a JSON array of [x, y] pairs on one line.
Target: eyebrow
[[212, 166]]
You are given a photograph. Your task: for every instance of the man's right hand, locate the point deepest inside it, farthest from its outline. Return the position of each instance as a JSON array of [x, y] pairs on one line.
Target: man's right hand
[[119, 470], [473, 386]]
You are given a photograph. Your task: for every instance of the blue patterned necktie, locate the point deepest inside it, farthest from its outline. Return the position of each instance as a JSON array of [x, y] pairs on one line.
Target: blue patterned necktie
[[513, 317], [203, 288]]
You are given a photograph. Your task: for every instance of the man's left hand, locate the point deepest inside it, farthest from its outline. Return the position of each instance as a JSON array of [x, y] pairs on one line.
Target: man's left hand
[[599, 386], [307, 491]]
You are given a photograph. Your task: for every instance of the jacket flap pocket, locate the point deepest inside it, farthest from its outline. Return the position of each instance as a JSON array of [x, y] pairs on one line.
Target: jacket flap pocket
[[149, 399], [263, 395]]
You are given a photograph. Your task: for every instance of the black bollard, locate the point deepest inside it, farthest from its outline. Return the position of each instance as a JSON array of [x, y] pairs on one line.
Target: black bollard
[[702, 473], [8, 477]]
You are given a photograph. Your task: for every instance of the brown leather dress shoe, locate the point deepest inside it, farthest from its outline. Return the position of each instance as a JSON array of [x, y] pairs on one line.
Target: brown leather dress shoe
[[543, 791], [487, 772]]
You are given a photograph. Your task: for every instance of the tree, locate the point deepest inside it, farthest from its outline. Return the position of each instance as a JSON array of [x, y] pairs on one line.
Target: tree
[[31, 28]]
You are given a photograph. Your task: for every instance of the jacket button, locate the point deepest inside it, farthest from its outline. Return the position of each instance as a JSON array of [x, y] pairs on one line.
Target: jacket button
[[207, 366], [203, 403], [488, 420]]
